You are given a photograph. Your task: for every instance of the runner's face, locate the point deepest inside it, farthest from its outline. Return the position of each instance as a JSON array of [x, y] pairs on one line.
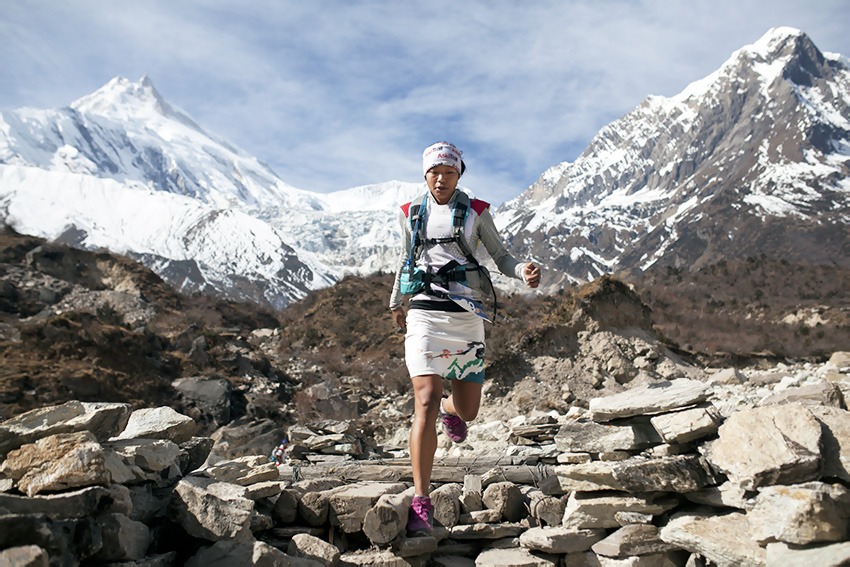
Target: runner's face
[[442, 181]]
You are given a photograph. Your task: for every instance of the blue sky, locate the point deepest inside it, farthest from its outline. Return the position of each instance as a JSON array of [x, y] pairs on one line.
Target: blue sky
[[336, 94]]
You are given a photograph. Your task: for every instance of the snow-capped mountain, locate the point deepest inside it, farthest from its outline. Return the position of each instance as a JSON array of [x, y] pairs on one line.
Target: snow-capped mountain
[[753, 159], [122, 169]]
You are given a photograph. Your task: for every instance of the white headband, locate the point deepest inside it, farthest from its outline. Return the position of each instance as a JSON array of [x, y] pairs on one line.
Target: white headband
[[442, 153]]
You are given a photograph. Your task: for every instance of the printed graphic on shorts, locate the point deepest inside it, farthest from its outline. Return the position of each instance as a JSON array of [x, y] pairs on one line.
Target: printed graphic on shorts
[[464, 363]]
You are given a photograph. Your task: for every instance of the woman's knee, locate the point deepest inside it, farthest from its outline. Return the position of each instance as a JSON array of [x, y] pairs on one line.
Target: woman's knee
[[467, 413], [427, 393]]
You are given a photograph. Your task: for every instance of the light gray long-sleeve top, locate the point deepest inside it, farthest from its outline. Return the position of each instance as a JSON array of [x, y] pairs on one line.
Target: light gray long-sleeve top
[[479, 228]]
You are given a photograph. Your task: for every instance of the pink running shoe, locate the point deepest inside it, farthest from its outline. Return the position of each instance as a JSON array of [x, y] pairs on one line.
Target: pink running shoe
[[454, 426], [419, 518]]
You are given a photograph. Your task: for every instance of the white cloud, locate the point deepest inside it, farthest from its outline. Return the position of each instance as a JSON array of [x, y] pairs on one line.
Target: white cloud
[[334, 94]]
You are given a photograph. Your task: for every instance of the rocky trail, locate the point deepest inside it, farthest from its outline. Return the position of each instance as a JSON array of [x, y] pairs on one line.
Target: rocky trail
[[740, 468]]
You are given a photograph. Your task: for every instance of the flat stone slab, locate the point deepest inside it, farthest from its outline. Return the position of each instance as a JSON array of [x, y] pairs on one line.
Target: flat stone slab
[[511, 558], [812, 555], [679, 473], [159, 423], [724, 540], [631, 540], [686, 425], [71, 504], [592, 437], [587, 510], [768, 445], [560, 539], [100, 418], [800, 514], [486, 531], [653, 399]]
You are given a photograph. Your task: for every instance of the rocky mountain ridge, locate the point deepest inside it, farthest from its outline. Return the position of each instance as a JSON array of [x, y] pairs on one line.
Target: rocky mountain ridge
[[752, 160]]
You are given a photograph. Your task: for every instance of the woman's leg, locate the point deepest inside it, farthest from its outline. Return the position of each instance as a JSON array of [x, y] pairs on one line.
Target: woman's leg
[[427, 393], [464, 401]]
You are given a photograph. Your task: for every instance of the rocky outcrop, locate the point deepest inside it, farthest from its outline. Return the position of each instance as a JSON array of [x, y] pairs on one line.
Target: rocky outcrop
[[668, 473]]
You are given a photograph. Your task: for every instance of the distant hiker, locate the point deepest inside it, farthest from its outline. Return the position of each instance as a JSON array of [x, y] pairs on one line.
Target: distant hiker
[[445, 321], [278, 456]]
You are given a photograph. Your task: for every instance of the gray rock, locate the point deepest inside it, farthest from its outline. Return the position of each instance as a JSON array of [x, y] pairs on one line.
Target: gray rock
[[159, 423], [415, 548], [686, 425], [560, 539], [57, 462], [193, 453], [244, 470], [348, 505], [724, 540], [727, 376], [547, 510], [103, 420], [486, 531], [311, 547], [590, 559], [484, 517], [210, 395], [376, 558], [829, 555], [836, 441], [656, 398], [211, 510], [633, 539], [800, 514], [679, 473], [265, 489], [73, 504], [599, 510], [246, 437], [768, 445], [506, 498], [123, 539], [471, 497], [592, 437], [232, 552], [840, 359], [728, 495], [24, 556], [821, 393], [511, 558], [627, 518], [151, 455]]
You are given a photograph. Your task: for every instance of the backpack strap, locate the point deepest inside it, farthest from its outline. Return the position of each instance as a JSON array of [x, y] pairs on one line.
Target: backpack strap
[[461, 212], [417, 227]]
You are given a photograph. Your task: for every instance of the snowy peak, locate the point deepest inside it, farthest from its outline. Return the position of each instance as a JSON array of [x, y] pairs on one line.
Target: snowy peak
[[122, 99], [782, 52], [126, 131], [124, 170], [751, 159]]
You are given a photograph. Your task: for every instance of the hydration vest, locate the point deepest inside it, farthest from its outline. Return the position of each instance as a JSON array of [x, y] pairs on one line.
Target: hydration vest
[[453, 271]]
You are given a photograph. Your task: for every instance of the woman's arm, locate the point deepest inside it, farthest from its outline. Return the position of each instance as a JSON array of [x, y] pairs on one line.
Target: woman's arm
[[492, 242], [395, 298]]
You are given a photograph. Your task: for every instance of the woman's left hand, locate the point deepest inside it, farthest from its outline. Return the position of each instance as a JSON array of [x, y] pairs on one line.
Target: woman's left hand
[[531, 275]]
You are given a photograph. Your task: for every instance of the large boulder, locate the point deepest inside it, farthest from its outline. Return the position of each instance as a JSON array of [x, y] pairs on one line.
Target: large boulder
[[768, 445], [58, 462], [103, 420]]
